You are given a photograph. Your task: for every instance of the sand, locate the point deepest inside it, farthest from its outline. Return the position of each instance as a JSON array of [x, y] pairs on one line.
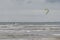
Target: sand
[[29, 32]]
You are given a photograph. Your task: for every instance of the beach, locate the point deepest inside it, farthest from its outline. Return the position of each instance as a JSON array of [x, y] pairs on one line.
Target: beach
[[29, 32]]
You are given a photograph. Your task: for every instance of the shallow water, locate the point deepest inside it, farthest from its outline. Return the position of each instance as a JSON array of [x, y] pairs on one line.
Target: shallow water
[[29, 32]]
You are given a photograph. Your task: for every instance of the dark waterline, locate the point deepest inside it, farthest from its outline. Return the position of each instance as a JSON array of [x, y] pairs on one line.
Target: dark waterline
[[31, 23]]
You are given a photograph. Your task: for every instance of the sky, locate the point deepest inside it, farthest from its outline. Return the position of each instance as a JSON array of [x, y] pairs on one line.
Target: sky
[[29, 10]]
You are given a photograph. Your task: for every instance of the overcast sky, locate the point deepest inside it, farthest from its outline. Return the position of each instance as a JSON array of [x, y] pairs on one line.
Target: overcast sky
[[29, 10]]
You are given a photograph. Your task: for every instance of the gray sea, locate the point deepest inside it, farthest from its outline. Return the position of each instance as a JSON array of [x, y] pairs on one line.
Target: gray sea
[[30, 23], [29, 30]]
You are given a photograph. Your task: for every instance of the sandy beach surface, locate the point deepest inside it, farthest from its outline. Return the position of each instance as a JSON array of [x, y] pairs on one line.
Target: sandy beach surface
[[29, 32]]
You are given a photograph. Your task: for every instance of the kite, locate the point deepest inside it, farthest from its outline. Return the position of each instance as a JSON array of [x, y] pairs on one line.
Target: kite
[[46, 11]]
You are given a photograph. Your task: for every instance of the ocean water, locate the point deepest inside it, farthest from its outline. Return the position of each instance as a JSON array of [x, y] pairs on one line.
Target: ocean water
[[30, 23], [29, 30]]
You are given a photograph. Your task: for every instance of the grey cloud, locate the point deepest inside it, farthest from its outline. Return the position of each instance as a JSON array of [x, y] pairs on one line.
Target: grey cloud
[[23, 1], [20, 10], [53, 1]]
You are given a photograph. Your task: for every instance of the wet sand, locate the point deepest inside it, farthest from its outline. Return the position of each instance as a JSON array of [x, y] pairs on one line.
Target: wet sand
[[29, 32]]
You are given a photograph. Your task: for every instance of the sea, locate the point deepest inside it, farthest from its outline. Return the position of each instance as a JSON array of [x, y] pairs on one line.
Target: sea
[[30, 23], [29, 30]]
